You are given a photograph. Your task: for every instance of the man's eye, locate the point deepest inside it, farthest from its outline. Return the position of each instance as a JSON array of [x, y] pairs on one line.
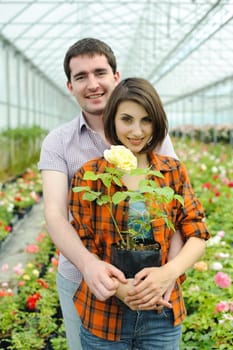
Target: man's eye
[[79, 77]]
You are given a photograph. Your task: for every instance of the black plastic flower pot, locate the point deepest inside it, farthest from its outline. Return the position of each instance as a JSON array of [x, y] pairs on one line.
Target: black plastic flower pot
[[132, 261]]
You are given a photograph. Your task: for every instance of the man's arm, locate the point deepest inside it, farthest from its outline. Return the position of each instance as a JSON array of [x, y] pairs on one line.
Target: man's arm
[[166, 148], [97, 274]]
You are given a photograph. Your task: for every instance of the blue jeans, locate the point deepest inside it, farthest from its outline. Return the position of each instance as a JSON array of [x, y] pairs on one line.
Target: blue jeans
[[141, 330], [66, 290]]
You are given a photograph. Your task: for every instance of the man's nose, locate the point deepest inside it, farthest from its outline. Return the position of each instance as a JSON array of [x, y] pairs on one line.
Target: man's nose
[[93, 83]]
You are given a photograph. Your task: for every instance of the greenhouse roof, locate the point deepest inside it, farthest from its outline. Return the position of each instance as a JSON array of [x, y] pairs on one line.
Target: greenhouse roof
[[180, 46]]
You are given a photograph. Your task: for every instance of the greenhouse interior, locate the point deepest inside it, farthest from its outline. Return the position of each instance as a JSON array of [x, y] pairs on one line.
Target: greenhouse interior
[[183, 48]]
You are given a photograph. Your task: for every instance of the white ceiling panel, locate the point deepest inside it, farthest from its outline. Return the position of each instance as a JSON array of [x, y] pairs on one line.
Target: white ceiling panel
[[180, 45]]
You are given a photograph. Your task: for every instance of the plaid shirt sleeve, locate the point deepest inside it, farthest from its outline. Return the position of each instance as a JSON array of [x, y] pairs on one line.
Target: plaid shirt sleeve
[[94, 226], [188, 219], [81, 213]]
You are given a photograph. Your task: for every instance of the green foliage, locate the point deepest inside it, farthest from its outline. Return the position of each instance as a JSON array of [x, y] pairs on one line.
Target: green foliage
[[211, 172], [155, 198], [20, 148]]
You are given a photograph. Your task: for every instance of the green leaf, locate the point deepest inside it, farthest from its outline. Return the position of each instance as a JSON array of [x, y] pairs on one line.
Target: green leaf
[[138, 171], [106, 179], [165, 193], [80, 188], [103, 200], [91, 196], [117, 181], [90, 175], [136, 196], [155, 173], [119, 197], [179, 198]]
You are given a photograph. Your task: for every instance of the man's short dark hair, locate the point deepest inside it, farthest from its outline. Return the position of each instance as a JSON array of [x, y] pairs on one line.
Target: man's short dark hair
[[89, 47]]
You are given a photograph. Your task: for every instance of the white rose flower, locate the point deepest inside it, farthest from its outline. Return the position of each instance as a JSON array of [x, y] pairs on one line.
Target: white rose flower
[[216, 266], [121, 157]]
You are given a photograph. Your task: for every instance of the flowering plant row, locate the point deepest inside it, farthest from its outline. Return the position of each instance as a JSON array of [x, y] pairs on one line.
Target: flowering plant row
[[18, 196], [206, 133], [208, 289], [30, 317], [28, 307]]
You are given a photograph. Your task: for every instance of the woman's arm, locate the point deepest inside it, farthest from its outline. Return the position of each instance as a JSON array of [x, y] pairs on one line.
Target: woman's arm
[[150, 284]]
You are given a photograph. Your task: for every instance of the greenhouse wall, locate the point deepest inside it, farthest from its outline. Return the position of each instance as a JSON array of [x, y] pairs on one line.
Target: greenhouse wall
[[27, 97], [212, 105]]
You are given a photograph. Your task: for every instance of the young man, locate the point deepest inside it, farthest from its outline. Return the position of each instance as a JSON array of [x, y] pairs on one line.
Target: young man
[[91, 71]]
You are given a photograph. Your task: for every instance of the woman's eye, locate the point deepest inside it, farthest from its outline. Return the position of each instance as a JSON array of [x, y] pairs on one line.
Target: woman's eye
[[147, 120], [126, 119]]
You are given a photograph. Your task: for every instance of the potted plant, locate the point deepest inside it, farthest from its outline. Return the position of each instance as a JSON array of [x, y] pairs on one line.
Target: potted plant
[[133, 251]]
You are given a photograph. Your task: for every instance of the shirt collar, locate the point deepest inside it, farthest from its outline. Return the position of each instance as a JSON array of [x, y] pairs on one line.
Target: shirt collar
[[82, 122], [161, 163]]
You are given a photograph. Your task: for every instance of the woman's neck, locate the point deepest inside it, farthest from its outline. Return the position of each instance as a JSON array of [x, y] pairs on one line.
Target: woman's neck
[[143, 161]]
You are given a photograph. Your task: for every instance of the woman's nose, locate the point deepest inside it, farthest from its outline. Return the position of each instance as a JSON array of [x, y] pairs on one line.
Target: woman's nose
[[137, 129]]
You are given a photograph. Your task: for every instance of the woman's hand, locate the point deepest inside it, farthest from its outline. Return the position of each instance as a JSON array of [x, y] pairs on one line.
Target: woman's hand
[[148, 288]]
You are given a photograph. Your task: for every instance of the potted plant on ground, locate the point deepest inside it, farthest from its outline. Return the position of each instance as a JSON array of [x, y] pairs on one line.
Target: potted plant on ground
[[133, 251]]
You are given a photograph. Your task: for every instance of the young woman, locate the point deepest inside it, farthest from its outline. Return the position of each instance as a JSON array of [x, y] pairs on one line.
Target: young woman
[[134, 117]]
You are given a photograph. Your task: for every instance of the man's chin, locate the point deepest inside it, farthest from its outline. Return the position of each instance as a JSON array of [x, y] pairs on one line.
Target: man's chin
[[97, 112]]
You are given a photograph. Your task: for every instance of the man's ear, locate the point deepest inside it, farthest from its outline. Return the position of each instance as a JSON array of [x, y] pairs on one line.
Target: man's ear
[[69, 86], [117, 77]]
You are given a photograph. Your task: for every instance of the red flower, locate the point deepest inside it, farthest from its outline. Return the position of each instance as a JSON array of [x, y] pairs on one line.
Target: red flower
[[7, 228], [206, 185], [32, 248], [32, 300], [54, 261], [42, 283], [230, 184]]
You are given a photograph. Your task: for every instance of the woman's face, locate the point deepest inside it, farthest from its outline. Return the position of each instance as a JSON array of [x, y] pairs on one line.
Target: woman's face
[[133, 126]]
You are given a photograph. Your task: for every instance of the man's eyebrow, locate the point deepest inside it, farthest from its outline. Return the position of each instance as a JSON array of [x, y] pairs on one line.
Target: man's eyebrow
[[79, 74], [82, 73]]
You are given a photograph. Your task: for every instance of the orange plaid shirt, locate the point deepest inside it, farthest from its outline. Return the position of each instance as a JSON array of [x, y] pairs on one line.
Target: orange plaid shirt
[[95, 227]]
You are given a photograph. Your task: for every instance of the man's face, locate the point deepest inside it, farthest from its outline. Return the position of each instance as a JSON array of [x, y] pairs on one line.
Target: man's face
[[92, 81]]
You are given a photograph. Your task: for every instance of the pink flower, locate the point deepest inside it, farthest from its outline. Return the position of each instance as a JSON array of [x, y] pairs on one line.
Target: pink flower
[[222, 307], [21, 283], [5, 267], [18, 269], [220, 234], [222, 280], [32, 248], [35, 196], [40, 237]]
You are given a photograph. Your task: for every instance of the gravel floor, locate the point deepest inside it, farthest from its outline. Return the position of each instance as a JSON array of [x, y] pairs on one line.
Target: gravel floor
[[25, 231]]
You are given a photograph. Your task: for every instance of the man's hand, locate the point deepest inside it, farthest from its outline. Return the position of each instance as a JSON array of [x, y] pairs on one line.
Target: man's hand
[[102, 278]]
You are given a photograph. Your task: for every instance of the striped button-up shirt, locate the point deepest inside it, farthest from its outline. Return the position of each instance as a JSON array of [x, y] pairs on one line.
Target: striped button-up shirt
[[96, 229]]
